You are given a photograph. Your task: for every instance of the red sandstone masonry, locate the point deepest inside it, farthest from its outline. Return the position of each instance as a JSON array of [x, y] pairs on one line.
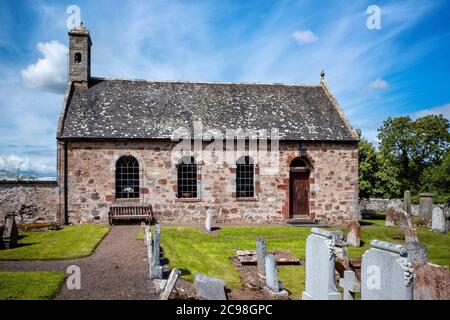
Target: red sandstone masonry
[[91, 181]]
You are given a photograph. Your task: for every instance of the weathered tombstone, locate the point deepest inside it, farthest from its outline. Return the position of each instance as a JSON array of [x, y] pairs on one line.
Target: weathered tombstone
[[272, 282], [397, 218], [354, 234], [149, 249], [320, 265], [2, 228], [155, 268], [10, 233], [438, 223], [407, 202], [209, 288], [386, 273], [350, 285], [261, 256], [425, 206], [146, 235], [208, 220], [170, 284], [417, 252], [432, 282], [410, 235]]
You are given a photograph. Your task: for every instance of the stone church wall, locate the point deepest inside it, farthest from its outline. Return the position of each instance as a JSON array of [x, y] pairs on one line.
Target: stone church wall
[[32, 201], [91, 183]]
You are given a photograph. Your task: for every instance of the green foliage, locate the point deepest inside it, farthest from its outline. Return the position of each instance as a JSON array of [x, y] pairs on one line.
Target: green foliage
[[413, 155], [68, 243], [36, 285], [414, 146], [377, 175]]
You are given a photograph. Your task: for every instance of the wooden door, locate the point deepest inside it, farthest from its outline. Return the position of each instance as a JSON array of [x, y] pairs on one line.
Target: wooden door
[[299, 189]]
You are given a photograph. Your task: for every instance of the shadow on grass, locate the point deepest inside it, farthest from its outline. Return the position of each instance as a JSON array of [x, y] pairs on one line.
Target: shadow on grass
[[365, 223]]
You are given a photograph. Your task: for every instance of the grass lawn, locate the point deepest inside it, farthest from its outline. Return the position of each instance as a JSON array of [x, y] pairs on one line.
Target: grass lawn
[[193, 251], [68, 243], [39, 285]]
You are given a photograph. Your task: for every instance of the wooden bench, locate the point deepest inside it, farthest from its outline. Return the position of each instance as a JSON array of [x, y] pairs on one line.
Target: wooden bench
[[131, 212]]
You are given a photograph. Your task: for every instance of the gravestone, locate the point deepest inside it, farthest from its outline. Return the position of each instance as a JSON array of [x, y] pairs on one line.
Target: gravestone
[[407, 202], [386, 273], [272, 282], [410, 235], [354, 234], [261, 256], [320, 265], [432, 282], [2, 228], [208, 220], [170, 284], [397, 218], [350, 285], [155, 268], [149, 249], [10, 233], [146, 235], [438, 223], [209, 288], [417, 252], [425, 206]]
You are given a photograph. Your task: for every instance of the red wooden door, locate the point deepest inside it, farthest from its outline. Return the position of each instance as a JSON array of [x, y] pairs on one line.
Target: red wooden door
[[299, 193]]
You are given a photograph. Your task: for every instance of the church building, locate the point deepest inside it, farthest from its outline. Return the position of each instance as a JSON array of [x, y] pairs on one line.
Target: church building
[[115, 145]]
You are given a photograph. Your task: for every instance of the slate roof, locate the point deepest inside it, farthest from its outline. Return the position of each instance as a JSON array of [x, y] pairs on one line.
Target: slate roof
[[113, 108]]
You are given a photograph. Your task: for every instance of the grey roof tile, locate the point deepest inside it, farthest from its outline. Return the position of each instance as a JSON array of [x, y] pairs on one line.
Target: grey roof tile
[[155, 109]]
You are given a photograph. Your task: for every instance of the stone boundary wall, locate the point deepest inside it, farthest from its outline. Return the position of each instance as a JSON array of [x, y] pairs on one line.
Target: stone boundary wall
[[375, 204], [32, 201]]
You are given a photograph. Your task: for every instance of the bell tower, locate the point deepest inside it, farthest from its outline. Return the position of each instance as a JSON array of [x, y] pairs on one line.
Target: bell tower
[[80, 56]]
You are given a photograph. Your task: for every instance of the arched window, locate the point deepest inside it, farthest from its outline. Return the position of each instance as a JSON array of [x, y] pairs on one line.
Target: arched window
[[77, 57], [245, 177], [187, 178], [127, 178]]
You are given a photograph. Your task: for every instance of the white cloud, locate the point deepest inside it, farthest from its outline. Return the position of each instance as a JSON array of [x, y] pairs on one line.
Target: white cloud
[[379, 84], [304, 36], [49, 73], [444, 110], [15, 162]]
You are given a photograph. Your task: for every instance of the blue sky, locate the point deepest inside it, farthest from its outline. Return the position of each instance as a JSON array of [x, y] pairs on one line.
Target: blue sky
[[400, 69]]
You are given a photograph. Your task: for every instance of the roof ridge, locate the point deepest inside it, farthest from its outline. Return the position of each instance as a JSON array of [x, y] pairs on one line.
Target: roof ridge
[[210, 82]]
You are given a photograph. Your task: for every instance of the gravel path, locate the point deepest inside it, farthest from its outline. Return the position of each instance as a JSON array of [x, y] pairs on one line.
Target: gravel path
[[118, 268]]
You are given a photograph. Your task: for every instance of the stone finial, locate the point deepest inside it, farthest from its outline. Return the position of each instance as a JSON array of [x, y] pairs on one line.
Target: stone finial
[[322, 75]]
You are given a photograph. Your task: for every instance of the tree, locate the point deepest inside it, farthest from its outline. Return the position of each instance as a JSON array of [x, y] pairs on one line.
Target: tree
[[414, 145], [377, 176], [367, 159], [436, 179]]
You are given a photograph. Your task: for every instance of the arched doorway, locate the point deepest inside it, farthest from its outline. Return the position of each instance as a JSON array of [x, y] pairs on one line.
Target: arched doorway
[[299, 189]]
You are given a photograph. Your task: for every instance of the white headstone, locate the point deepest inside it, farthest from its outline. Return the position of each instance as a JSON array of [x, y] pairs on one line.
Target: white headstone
[[349, 284], [320, 265], [146, 235], [170, 284], [438, 223], [261, 256], [272, 273], [208, 220], [209, 288], [386, 273], [155, 268]]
